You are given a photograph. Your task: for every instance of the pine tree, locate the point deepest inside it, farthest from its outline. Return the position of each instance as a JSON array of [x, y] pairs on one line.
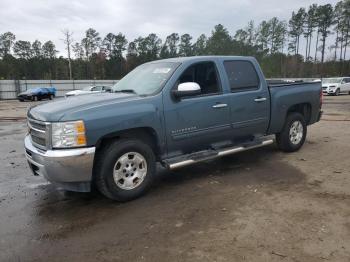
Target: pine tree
[[325, 16]]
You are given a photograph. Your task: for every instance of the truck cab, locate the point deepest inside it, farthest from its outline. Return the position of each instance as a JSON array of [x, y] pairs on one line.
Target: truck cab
[[233, 101]]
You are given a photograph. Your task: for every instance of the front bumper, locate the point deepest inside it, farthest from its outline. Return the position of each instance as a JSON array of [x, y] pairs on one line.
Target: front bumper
[[329, 90], [24, 97], [70, 169]]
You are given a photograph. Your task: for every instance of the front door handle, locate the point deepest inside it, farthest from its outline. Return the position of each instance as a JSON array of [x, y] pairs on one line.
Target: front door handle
[[260, 99], [220, 105]]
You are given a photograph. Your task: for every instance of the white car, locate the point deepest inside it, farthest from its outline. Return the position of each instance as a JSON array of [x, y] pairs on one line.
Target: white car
[[336, 86], [89, 90]]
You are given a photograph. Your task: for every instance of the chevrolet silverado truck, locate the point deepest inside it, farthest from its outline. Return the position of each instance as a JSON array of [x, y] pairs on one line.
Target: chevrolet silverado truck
[[176, 112]]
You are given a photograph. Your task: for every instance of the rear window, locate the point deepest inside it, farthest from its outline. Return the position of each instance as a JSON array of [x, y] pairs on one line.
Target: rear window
[[241, 75]]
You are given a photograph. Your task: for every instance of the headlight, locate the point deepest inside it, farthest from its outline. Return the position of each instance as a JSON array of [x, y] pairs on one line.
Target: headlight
[[68, 134]]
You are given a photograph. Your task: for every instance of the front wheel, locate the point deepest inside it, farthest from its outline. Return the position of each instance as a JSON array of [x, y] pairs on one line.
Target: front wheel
[[337, 92], [125, 169], [293, 133]]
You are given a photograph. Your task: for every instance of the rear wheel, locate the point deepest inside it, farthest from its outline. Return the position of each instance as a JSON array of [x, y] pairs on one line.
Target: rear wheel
[[50, 97], [125, 169], [35, 98], [293, 133]]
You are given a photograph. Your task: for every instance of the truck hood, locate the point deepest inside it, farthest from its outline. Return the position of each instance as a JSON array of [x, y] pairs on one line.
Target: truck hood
[[56, 110]]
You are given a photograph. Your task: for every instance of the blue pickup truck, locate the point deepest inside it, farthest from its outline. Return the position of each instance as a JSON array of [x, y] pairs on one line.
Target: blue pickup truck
[[176, 112]]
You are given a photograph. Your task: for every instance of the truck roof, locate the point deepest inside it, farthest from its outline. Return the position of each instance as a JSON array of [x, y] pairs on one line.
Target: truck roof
[[201, 58]]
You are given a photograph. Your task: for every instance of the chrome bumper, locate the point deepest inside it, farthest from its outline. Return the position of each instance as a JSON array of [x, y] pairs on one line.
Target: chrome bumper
[[70, 169]]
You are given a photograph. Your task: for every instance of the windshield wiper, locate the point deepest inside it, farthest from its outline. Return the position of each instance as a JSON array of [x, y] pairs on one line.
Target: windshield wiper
[[125, 91]]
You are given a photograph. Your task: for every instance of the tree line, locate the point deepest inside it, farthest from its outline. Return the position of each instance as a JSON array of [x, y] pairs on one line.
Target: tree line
[[277, 45]]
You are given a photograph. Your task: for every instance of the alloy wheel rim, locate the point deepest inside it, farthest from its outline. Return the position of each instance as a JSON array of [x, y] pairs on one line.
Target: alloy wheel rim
[[296, 132], [130, 170]]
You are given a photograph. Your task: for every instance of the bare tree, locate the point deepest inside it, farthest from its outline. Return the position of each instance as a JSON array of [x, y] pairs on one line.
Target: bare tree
[[68, 40]]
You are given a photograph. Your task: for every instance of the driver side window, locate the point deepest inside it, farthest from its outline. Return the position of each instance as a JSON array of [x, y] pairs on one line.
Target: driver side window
[[97, 88], [204, 74]]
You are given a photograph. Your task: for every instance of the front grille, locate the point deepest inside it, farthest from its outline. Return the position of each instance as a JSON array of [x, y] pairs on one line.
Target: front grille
[[38, 140], [38, 125], [38, 133]]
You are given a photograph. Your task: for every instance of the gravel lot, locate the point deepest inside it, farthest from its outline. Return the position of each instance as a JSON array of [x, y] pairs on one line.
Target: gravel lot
[[260, 205]]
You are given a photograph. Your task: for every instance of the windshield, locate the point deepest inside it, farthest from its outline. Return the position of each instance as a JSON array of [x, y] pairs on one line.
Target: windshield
[[33, 90], [146, 79], [331, 80]]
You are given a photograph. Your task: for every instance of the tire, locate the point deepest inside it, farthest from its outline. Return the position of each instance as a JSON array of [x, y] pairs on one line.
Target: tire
[[117, 174], [291, 141], [35, 98], [337, 92], [50, 97]]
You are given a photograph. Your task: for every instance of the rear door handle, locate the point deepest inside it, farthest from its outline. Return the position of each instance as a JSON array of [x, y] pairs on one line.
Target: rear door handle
[[220, 105], [260, 99]]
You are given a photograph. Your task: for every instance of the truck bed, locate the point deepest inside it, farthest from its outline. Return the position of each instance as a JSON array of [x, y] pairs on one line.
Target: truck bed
[[285, 95]]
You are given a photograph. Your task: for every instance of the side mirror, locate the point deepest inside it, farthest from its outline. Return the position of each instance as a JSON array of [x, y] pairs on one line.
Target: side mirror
[[187, 89]]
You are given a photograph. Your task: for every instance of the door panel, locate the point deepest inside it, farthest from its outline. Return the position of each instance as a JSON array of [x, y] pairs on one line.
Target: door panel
[[249, 99], [193, 124], [342, 87], [347, 85], [249, 113]]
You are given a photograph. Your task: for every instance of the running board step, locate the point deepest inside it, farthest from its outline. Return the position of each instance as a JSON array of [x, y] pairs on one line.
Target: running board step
[[211, 154]]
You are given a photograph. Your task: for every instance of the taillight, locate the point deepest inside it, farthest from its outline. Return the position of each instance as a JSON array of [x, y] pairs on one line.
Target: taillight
[[321, 98]]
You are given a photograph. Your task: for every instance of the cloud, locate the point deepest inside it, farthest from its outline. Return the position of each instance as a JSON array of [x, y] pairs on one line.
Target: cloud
[[44, 20]]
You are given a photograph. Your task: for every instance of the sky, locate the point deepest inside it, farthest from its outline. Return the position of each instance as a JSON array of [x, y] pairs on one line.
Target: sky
[[44, 20]]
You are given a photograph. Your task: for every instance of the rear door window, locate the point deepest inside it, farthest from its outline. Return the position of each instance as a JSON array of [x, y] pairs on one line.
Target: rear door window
[[242, 75]]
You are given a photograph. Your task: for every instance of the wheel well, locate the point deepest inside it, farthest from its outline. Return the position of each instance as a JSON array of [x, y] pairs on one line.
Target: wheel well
[[145, 134], [304, 109]]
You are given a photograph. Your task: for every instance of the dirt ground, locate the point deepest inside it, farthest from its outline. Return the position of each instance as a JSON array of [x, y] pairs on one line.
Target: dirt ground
[[261, 205]]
